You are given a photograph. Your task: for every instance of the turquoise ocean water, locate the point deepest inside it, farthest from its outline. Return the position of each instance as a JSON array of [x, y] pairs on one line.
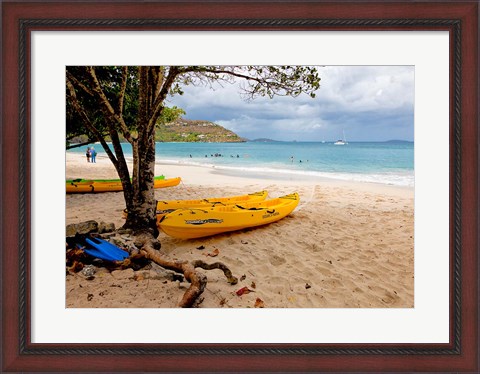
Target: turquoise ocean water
[[386, 163]]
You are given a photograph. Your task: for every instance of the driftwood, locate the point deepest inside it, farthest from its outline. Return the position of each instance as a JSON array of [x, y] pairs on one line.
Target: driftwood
[[198, 281]]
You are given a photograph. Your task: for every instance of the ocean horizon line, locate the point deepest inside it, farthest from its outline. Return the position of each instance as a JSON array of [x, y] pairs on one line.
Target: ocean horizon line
[[264, 140], [260, 140]]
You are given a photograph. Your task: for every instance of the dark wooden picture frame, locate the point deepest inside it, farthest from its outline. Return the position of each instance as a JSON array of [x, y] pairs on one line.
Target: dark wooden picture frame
[[19, 19]]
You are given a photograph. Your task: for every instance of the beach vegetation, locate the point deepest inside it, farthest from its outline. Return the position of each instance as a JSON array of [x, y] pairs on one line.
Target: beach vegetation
[[130, 102]]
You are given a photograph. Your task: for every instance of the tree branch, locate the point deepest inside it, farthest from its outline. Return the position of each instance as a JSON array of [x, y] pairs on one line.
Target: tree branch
[[261, 80], [123, 87], [78, 145], [118, 118], [79, 84], [88, 122], [162, 95]]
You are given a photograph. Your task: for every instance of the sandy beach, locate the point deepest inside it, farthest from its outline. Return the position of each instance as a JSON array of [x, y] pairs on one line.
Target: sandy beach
[[347, 245]]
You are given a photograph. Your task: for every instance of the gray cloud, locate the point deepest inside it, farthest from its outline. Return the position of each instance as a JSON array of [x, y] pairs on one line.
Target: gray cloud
[[368, 102]]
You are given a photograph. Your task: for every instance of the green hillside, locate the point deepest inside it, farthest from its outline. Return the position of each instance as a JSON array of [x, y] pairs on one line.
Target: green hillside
[[184, 130]]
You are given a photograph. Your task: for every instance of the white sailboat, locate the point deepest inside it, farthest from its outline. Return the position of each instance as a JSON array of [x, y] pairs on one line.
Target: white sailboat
[[341, 141]]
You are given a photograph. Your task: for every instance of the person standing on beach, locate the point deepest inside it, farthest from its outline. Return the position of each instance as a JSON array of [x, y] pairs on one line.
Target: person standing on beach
[[93, 154], [88, 154]]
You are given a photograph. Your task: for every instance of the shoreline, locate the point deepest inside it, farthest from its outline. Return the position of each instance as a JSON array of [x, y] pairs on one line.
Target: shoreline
[[318, 167], [211, 174], [347, 245]]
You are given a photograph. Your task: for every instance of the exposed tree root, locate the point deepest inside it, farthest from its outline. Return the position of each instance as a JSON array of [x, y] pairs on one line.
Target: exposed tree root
[[217, 265], [198, 281]]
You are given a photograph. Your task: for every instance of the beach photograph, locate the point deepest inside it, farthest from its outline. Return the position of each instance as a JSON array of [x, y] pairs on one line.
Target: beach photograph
[[240, 187]]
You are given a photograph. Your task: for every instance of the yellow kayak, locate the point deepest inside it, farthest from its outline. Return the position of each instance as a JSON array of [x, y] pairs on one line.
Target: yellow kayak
[[200, 222], [168, 206], [112, 185]]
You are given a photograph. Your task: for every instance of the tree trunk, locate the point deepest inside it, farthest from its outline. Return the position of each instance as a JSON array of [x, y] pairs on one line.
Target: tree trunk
[[142, 207]]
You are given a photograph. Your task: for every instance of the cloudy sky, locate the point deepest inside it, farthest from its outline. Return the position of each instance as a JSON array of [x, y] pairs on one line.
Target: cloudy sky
[[369, 103]]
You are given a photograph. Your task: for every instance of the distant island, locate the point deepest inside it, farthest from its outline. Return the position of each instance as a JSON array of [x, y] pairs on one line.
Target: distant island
[[264, 140], [398, 141], [185, 130]]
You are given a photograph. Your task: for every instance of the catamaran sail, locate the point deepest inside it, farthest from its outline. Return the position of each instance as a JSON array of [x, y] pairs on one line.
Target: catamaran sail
[[341, 141]]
